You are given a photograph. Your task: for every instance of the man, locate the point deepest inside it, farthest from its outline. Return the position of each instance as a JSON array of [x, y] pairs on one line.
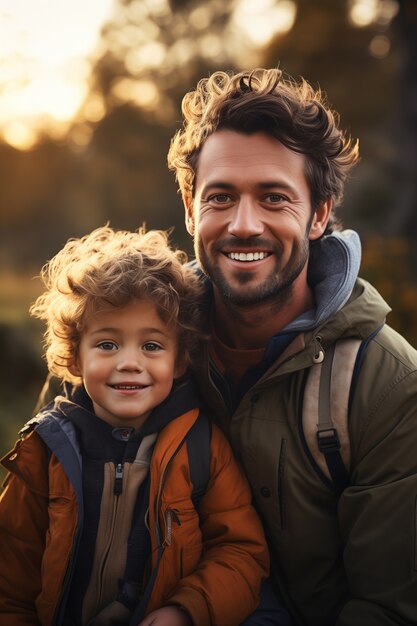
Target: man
[[261, 164]]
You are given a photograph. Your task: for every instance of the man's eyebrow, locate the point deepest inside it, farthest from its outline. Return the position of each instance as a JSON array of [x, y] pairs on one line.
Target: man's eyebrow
[[218, 185], [266, 184]]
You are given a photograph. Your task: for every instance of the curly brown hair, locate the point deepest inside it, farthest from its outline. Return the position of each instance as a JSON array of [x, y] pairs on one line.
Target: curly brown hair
[[266, 100], [109, 268]]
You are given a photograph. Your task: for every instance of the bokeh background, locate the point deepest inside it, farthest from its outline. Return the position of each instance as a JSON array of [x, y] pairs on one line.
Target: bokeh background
[[90, 95]]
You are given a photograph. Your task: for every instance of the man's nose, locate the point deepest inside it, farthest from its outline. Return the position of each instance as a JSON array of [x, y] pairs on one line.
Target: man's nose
[[245, 220]]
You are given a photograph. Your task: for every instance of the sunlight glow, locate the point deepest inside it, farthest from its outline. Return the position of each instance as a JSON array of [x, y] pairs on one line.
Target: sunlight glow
[[200, 17], [380, 46], [150, 54], [43, 47], [211, 46], [19, 135], [44, 93], [80, 136], [363, 12], [94, 109], [260, 20], [142, 92]]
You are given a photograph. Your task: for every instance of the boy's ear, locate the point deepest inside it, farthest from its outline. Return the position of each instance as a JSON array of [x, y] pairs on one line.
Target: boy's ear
[[75, 369], [189, 215], [320, 219], [181, 366]]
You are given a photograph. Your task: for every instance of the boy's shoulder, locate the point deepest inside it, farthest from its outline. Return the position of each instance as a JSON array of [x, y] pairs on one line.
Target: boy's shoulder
[[55, 430], [50, 416]]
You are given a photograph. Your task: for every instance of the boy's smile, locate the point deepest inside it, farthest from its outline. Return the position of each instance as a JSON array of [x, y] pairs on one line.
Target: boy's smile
[[128, 362]]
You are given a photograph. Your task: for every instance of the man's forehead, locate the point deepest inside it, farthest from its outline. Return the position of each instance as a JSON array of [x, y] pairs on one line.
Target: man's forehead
[[228, 154]]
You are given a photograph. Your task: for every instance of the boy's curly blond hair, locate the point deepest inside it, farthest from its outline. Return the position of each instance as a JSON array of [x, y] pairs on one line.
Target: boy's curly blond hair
[[109, 268], [267, 101]]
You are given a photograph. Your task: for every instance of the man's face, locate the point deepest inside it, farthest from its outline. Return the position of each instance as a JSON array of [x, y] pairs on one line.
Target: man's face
[[252, 217]]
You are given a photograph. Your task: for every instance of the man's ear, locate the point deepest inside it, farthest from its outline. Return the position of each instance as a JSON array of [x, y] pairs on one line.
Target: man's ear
[[189, 215], [320, 219]]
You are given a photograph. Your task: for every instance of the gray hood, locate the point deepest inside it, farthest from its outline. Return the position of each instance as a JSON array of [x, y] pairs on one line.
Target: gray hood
[[333, 268]]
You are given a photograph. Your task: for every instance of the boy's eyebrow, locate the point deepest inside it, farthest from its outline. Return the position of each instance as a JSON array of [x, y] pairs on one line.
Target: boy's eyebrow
[[109, 329]]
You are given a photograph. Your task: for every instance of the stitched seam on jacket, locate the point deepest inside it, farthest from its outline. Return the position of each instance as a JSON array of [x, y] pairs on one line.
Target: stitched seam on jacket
[[393, 385], [281, 492]]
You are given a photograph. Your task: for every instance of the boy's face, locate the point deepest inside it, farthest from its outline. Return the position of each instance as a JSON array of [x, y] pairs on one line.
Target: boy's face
[[128, 361]]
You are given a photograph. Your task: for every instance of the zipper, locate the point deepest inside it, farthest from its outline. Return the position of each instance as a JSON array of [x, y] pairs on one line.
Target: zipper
[[171, 513], [319, 352], [158, 503], [118, 480], [139, 613], [114, 506]]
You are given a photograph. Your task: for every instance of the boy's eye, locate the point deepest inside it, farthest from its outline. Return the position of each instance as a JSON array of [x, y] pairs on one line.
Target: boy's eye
[[107, 345], [151, 346]]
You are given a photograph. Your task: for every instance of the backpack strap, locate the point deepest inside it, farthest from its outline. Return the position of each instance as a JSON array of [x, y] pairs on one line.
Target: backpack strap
[[325, 411], [198, 448]]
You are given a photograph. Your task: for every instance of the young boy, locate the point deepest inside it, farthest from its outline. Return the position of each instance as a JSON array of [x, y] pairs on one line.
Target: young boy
[[97, 521]]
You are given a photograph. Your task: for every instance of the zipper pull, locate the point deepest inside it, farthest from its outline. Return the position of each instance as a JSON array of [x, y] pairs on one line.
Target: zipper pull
[[118, 481], [171, 513], [319, 355], [168, 527]]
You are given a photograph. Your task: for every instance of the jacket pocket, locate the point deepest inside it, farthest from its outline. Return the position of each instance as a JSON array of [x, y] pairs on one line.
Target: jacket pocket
[[281, 484], [183, 537], [415, 535]]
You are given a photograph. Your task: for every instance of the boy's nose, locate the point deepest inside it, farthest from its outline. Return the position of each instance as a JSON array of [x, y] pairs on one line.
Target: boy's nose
[[130, 360], [245, 221]]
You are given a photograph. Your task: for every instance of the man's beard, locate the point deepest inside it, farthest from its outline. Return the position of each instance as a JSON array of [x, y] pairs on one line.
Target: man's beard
[[276, 288]]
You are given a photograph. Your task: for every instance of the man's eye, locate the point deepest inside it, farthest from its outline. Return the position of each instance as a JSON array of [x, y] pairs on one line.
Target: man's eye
[[275, 198], [151, 346], [107, 345], [220, 198]]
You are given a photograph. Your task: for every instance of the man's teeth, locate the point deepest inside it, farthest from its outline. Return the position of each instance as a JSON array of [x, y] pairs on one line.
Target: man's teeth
[[247, 256]]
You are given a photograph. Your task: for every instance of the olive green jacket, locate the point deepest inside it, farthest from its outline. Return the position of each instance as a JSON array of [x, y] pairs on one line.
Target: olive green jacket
[[348, 560]]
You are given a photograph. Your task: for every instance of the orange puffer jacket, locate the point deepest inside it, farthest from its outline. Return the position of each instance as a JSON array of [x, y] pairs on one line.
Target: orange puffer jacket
[[202, 561]]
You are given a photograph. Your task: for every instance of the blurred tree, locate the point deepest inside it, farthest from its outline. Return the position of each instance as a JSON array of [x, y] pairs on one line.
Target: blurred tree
[[154, 51], [112, 165], [327, 48], [403, 218]]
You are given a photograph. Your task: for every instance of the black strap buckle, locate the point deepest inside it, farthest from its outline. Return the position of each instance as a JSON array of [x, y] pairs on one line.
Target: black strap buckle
[[328, 440]]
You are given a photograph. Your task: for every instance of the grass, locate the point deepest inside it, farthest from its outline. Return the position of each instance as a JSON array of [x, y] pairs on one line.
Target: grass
[[22, 369]]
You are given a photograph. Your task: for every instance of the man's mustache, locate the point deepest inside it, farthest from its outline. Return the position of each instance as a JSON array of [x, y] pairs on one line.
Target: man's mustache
[[256, 243]]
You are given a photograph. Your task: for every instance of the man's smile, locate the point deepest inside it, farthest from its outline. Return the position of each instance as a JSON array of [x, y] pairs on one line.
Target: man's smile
[[247, 256]]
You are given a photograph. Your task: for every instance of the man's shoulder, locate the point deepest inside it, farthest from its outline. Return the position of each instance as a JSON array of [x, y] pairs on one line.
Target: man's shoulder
[[385, 393], [391, 350]]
